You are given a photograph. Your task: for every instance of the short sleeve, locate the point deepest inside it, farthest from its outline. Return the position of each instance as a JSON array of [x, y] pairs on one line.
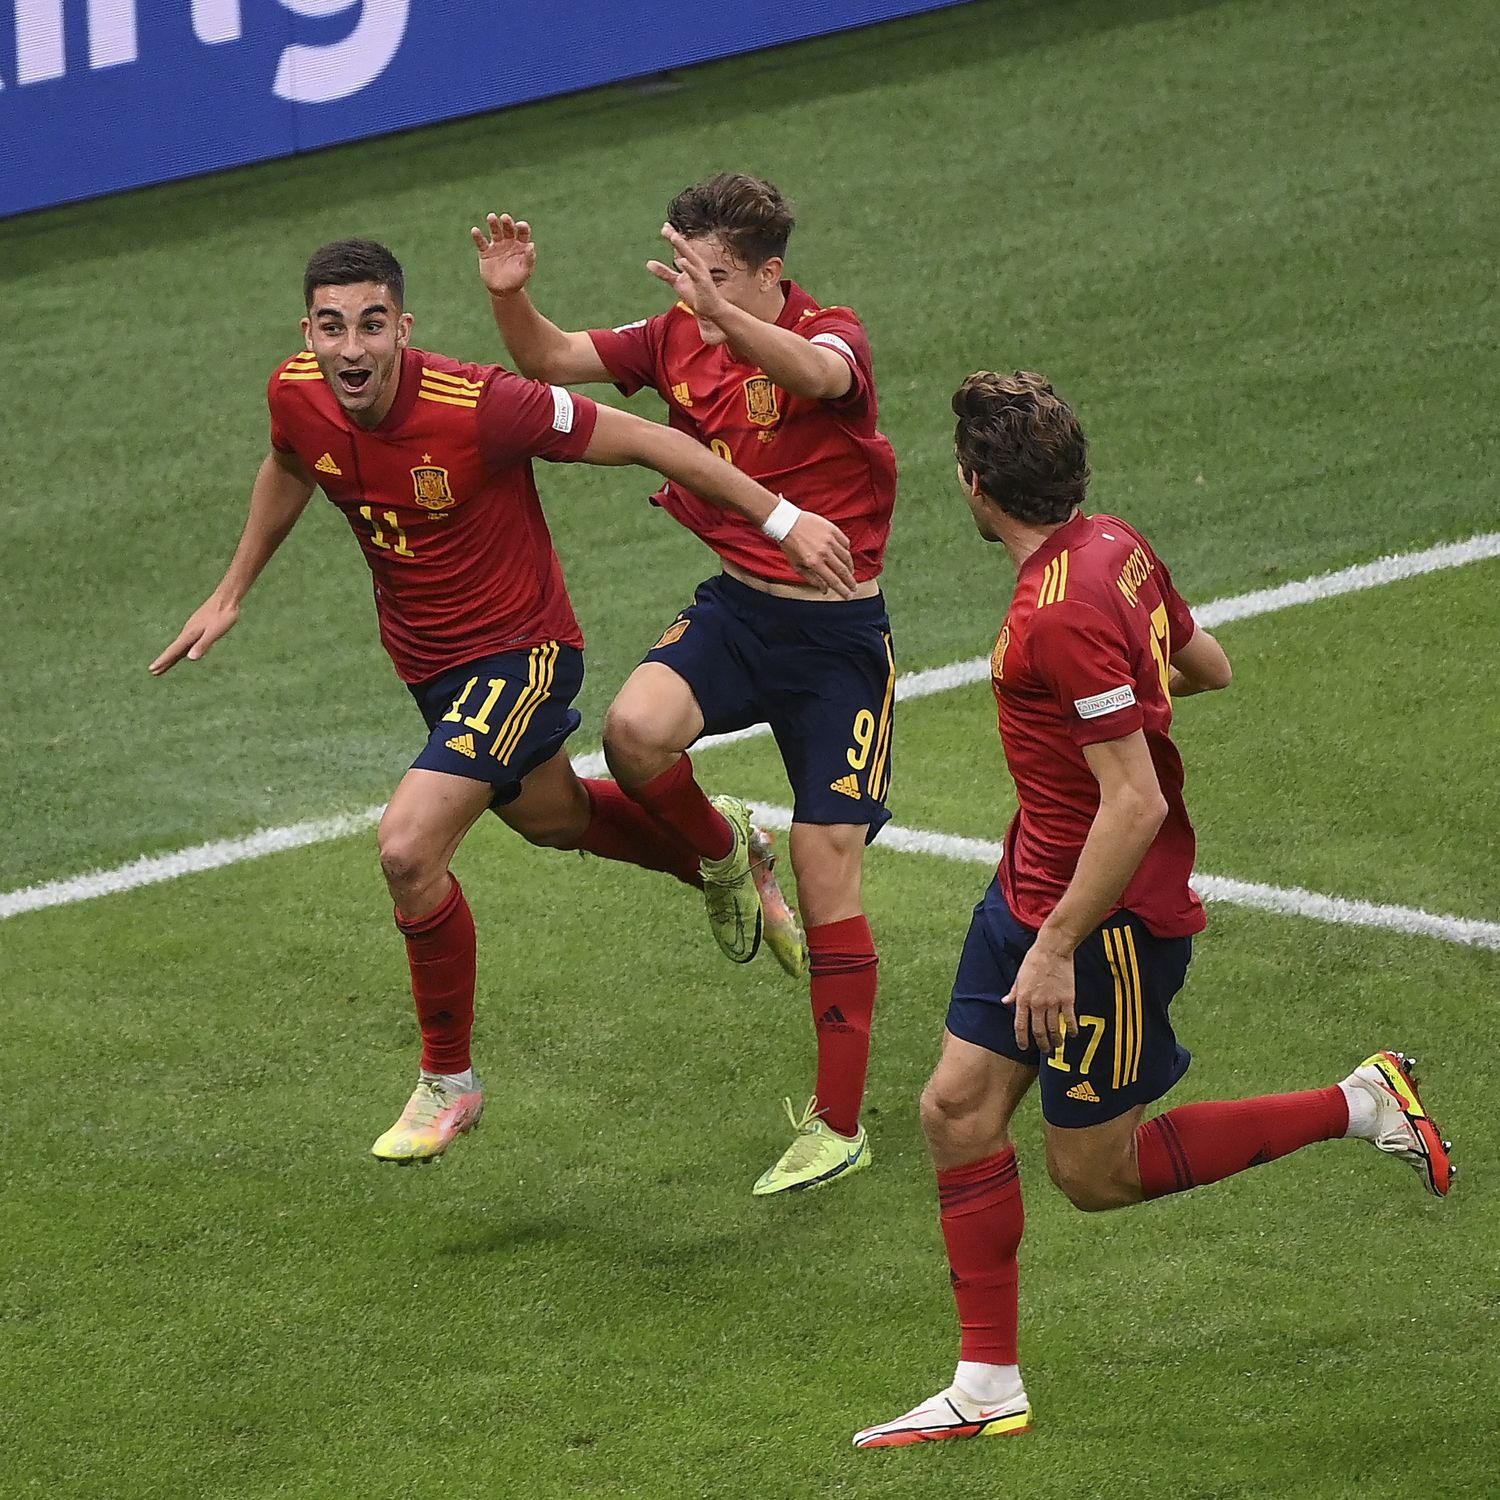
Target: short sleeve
[[629, 353], [1081, 656], [521, 419], [1181, 626], [281, 439], [838, 329]]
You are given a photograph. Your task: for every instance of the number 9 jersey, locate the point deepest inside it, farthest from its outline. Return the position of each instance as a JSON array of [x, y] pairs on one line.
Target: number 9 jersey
[[442, 500]]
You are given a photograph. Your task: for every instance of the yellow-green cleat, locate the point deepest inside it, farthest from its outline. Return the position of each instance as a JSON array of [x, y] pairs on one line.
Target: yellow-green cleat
[[782, 927], [818, 1155], [729, 888], [437, 1113]]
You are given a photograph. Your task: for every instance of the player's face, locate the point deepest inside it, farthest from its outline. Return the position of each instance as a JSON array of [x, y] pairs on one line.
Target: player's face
[[754, 289], [357, 333]]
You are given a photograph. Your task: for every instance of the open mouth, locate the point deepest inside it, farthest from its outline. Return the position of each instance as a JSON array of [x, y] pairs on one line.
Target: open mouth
[[354, 381]]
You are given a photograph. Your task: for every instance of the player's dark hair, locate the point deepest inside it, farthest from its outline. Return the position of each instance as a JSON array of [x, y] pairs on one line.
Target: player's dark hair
[[350, 262], [1022, 441], [747, 213]]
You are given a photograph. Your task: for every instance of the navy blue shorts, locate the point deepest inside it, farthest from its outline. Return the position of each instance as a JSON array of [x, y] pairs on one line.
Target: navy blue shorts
[[1125, 1052], [823, 676], [499, 718]]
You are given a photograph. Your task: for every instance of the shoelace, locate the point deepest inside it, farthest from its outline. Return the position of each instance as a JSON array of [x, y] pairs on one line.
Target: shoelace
[[426, 1103], [804, 1148]]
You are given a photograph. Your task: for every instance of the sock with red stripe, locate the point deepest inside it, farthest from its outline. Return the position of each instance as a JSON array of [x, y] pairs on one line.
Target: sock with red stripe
[[983, 1218], [620, 828], [1196, 1144], [676, 799], [843, 962], [441, 951]]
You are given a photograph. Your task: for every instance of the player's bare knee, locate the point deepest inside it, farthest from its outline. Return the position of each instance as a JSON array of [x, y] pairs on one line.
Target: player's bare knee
[[947, 1115], [630, 740], [404, 861], [1087, 1185]]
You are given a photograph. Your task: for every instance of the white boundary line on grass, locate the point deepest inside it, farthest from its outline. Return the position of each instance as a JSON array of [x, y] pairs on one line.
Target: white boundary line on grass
[[154, 869]]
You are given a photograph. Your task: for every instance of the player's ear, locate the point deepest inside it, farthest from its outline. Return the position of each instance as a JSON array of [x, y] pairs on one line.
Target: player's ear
[[770, 273], [307, 333], [403, 330]]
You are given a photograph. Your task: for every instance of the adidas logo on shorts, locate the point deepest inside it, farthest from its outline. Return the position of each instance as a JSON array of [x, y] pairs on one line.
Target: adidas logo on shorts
[[848, 785], [1085, 1092], [464, 744]]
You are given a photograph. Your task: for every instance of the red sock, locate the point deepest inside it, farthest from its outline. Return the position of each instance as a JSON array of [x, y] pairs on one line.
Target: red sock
[[619, 828], [440, 949], [982, 1217], [1197, 1144], [676, 799], [843, 1000]]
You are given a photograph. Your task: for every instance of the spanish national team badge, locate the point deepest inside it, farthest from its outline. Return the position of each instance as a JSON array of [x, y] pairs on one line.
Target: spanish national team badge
[[997, 661], [431, 485], [673, 633], [760, 401]]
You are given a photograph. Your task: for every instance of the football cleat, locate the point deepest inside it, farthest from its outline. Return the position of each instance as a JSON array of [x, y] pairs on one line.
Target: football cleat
[[729, 888], [949, 1414], [435, 1116], [1403, 1128], [782, 927], [817, 1155]]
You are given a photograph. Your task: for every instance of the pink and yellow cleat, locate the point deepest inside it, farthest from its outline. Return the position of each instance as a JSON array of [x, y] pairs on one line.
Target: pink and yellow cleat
[[438, 1112], [1403, 1128], [949, 1414], [782, 927]]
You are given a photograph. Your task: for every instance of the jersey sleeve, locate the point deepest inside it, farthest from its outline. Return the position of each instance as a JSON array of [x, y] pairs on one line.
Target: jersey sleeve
[[281, 437], [1080, 655], [629, 353], [838, 329], [1181, 626], [521, 419]]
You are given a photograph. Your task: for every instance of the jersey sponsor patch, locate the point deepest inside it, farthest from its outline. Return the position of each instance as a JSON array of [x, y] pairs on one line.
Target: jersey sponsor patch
[[626, 327], [562, 409], [1105, 703], [833, 341]]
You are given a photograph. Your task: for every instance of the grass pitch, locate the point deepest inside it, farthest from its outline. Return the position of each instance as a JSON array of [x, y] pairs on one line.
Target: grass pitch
[[1247, 239]]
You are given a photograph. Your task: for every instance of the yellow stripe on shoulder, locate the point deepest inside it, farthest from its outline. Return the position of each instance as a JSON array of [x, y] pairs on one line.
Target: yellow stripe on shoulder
[[472, 402], [458, 381], [313, 374]]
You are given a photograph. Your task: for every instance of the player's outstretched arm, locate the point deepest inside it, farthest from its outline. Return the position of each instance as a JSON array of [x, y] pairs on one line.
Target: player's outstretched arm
[[541, 350], [803, 368], [280, 494], [813, 545], [1201, 666]]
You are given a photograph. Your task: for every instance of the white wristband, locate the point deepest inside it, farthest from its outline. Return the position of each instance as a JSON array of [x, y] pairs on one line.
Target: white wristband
[[781, 520]]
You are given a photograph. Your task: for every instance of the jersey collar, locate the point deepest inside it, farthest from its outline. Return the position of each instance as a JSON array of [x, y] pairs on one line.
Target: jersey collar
[[406, 393], [1078, 532], [797, 304]]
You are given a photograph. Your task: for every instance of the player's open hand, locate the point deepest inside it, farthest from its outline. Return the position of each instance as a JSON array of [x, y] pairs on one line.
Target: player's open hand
[[507, 255], [1043, 998], [205, 625], [819, 551], [690, 277]]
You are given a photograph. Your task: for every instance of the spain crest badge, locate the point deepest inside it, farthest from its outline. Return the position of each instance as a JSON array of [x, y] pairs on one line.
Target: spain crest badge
[[761, 405], [432, 488]]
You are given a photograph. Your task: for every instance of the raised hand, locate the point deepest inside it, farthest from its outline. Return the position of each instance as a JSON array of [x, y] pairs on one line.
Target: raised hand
[[507, 255], [819, 551], [690, 278], [205, 625]]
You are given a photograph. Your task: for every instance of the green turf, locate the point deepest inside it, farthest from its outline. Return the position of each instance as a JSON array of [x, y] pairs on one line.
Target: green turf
[[1248, 239]]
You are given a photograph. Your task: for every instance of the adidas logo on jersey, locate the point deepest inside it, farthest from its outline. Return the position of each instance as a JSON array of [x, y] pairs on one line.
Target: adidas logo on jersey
[[326, 465], [1085, 1092], [848, 785], [464, 744]]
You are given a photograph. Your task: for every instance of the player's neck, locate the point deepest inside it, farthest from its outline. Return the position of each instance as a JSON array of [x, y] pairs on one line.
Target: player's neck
[[1021, 540], [769, 307]]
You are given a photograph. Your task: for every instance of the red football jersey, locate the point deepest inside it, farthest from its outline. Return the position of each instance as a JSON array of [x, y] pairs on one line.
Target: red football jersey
[[825, 456], [442, 500], [1083, 658]]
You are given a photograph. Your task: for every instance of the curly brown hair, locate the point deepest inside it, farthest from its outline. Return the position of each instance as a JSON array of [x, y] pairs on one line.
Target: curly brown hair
[[747, 213], [1023, 443]]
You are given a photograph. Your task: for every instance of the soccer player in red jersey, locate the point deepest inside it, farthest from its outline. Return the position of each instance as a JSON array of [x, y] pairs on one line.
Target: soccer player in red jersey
[[753, 368], [429, 460], [1084, 936]]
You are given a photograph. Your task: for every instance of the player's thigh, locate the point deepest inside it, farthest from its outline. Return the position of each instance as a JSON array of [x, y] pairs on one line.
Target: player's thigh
[[830, 692], [1125, 1053], [972, 1095], [655, 711], [552, 808], [1094, 1165], [828, 861], [426, 820]]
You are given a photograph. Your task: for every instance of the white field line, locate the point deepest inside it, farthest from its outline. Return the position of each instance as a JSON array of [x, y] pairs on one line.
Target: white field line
[[1292, 902], [154, 869]]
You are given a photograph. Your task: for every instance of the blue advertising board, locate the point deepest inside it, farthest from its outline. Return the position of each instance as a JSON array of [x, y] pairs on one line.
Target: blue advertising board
[[99, 95]]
